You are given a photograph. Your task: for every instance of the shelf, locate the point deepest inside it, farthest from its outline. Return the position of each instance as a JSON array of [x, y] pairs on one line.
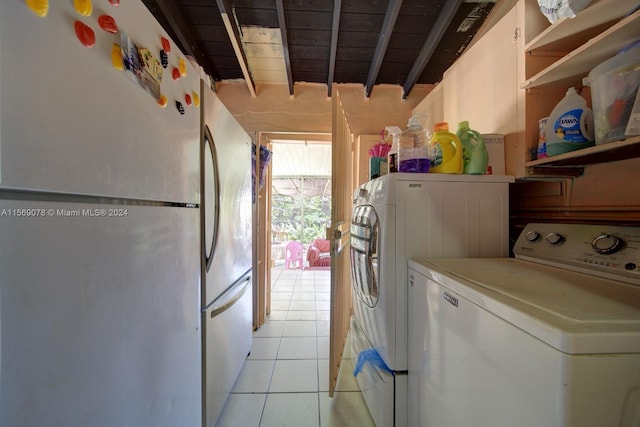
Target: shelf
[[573, 163], [596, 14], [582, 60]]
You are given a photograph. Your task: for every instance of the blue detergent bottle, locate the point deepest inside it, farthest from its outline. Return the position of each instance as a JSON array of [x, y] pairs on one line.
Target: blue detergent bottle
[[570, 125]]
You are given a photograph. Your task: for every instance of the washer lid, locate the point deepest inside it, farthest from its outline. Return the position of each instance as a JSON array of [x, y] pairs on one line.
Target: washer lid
[[574, 312]]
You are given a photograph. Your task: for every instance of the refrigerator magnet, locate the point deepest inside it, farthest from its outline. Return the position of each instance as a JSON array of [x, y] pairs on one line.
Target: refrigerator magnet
[[164, 58], [85, 34], [166, 45], [116, 57], [83, 7], [39, 7], [108, 24]]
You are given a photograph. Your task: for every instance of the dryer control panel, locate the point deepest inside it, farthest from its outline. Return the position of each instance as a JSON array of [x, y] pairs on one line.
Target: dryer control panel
[[604, 250]]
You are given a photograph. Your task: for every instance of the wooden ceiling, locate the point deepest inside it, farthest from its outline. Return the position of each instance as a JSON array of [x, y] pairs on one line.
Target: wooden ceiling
[[323, 41]]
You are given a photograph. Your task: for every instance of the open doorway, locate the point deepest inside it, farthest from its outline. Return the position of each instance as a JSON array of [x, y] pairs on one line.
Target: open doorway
[[300, 204], [294, 205]]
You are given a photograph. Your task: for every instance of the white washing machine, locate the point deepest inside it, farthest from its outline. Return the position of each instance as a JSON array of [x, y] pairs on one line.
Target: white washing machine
[[396, 217], [550, 338]]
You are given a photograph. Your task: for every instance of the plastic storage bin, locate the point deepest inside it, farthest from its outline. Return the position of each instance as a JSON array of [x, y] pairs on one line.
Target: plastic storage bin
[[614, 89]]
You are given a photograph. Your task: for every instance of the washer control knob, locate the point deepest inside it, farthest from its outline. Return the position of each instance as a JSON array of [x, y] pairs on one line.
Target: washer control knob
[[554, 238], [607, 244], [532, 236]]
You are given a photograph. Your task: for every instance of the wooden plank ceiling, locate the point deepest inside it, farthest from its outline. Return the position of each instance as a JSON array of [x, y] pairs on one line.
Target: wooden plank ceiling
[[323, 41]]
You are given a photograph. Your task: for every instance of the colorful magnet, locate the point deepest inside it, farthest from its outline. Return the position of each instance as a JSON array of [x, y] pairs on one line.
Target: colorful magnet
[[83, 7], [162, 101], [175, 73], [196, 99], [116, 57], [108, 24], [39, 7], [164, 58], [151, 64], [180, 107], [166, 45], [182, 66], [85, 34], [187, 99], [114, 2]]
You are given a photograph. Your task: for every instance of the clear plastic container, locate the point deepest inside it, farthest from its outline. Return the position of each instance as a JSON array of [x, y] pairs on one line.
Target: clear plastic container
[[614, 90], [413, 147]]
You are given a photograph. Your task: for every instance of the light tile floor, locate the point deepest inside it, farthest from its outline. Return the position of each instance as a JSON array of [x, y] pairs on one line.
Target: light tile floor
[[285, 379]]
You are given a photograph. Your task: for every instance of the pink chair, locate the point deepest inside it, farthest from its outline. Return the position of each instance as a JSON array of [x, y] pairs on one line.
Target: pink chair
[[293, 255]]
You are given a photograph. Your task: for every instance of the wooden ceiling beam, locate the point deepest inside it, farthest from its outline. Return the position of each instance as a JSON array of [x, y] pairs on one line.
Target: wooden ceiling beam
[[449, 9], [234, 36], [335, 28], [383, 42], [282, 21]]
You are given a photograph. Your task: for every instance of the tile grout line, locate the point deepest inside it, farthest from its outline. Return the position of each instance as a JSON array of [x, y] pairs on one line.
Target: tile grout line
[[297, 284]]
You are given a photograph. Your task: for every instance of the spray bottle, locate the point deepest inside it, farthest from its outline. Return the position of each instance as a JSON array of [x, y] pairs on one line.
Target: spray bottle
[[392, 157]]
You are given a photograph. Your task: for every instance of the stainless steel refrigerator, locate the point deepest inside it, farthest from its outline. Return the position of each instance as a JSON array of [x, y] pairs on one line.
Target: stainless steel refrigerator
[[226, 218], [100, 272]]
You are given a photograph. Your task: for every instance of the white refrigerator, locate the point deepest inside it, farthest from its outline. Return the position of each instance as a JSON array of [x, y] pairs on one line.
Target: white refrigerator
[[226, 217], [100, 258]]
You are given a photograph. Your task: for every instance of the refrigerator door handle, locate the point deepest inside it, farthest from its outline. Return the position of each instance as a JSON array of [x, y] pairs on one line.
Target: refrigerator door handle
[[230, 296], [210, 195]]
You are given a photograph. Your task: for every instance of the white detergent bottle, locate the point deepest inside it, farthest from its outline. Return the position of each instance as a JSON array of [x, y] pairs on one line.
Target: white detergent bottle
[[570, 125]]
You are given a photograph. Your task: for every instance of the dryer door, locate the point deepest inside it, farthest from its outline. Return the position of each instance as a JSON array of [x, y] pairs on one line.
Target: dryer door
[[364, 254]]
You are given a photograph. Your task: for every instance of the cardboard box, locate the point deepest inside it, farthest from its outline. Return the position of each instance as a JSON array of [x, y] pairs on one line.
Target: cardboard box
[[495, 146]]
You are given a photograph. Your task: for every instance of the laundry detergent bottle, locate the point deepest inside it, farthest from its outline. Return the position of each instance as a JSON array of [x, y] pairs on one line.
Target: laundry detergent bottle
[[413, 148], [446, 150], [570, 125], [475, 157]]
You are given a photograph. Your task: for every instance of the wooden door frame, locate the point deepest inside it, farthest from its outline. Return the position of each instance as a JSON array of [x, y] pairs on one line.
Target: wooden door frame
[[262, 225], [342, 177], [262, 248]]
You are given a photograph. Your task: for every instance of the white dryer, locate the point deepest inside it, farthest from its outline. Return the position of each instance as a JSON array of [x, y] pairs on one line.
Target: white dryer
[[397, 217], [549, 338]]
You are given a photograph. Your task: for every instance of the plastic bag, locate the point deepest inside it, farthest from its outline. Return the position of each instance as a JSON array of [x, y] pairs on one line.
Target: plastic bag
[[556, 9], [372, 357]]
